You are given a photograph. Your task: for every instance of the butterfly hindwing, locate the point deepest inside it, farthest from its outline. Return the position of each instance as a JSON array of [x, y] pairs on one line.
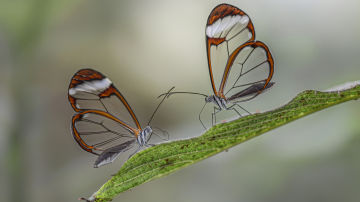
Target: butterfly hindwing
[[96, 131], [248, 72]]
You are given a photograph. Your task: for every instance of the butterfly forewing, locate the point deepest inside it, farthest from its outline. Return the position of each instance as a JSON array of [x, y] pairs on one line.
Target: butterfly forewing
[[227, 28], [90, 89]]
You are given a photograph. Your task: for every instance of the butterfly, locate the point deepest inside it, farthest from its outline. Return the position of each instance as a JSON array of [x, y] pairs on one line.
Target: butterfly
[[96, 125], [240, 68]]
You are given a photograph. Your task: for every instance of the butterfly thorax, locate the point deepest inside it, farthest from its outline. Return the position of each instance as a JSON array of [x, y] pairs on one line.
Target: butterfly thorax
[[218, 101], [144, 136]]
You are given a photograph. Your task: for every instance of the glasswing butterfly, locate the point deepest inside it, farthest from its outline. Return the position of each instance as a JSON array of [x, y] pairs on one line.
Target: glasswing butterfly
[[240, 67], [96, 125]]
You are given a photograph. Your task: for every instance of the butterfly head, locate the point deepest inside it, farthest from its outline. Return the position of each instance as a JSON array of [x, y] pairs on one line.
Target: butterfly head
[[210, 98], [147, 131]]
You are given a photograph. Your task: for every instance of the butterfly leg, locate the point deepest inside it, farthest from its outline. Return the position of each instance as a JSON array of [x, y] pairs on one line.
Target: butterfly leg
[[213, 115], [236, 104], [165, 135], [136, 151], [232, 107], [200, 116]]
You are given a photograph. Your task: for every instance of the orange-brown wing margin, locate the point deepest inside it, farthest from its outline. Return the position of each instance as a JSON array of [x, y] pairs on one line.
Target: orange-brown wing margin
[[253, 44], [77, 135], [220, 12]]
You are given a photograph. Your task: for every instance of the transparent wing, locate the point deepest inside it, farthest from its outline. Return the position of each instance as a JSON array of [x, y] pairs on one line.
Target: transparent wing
[[109, 155], [98, 131], [227, 28], [248, 72], [90, 90]]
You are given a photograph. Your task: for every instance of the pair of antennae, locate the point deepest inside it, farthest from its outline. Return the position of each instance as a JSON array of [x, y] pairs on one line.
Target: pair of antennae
[[166, 95]]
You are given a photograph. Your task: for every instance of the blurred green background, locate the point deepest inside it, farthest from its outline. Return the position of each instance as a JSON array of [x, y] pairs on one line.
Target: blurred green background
[[146, 47]]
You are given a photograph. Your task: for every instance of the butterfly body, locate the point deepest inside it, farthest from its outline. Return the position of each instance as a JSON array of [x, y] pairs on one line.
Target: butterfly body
[[143, 136], [220, 102]]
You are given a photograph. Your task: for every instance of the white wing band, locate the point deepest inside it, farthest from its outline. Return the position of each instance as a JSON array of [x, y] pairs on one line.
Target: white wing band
[[96, 86], [225, 23]]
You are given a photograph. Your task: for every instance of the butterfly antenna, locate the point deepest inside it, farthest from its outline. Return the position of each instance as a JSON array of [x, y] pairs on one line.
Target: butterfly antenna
[[167, 95], [192, 93]]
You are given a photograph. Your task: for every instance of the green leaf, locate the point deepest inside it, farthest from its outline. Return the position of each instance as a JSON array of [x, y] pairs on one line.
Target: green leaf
[[166, 158]]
